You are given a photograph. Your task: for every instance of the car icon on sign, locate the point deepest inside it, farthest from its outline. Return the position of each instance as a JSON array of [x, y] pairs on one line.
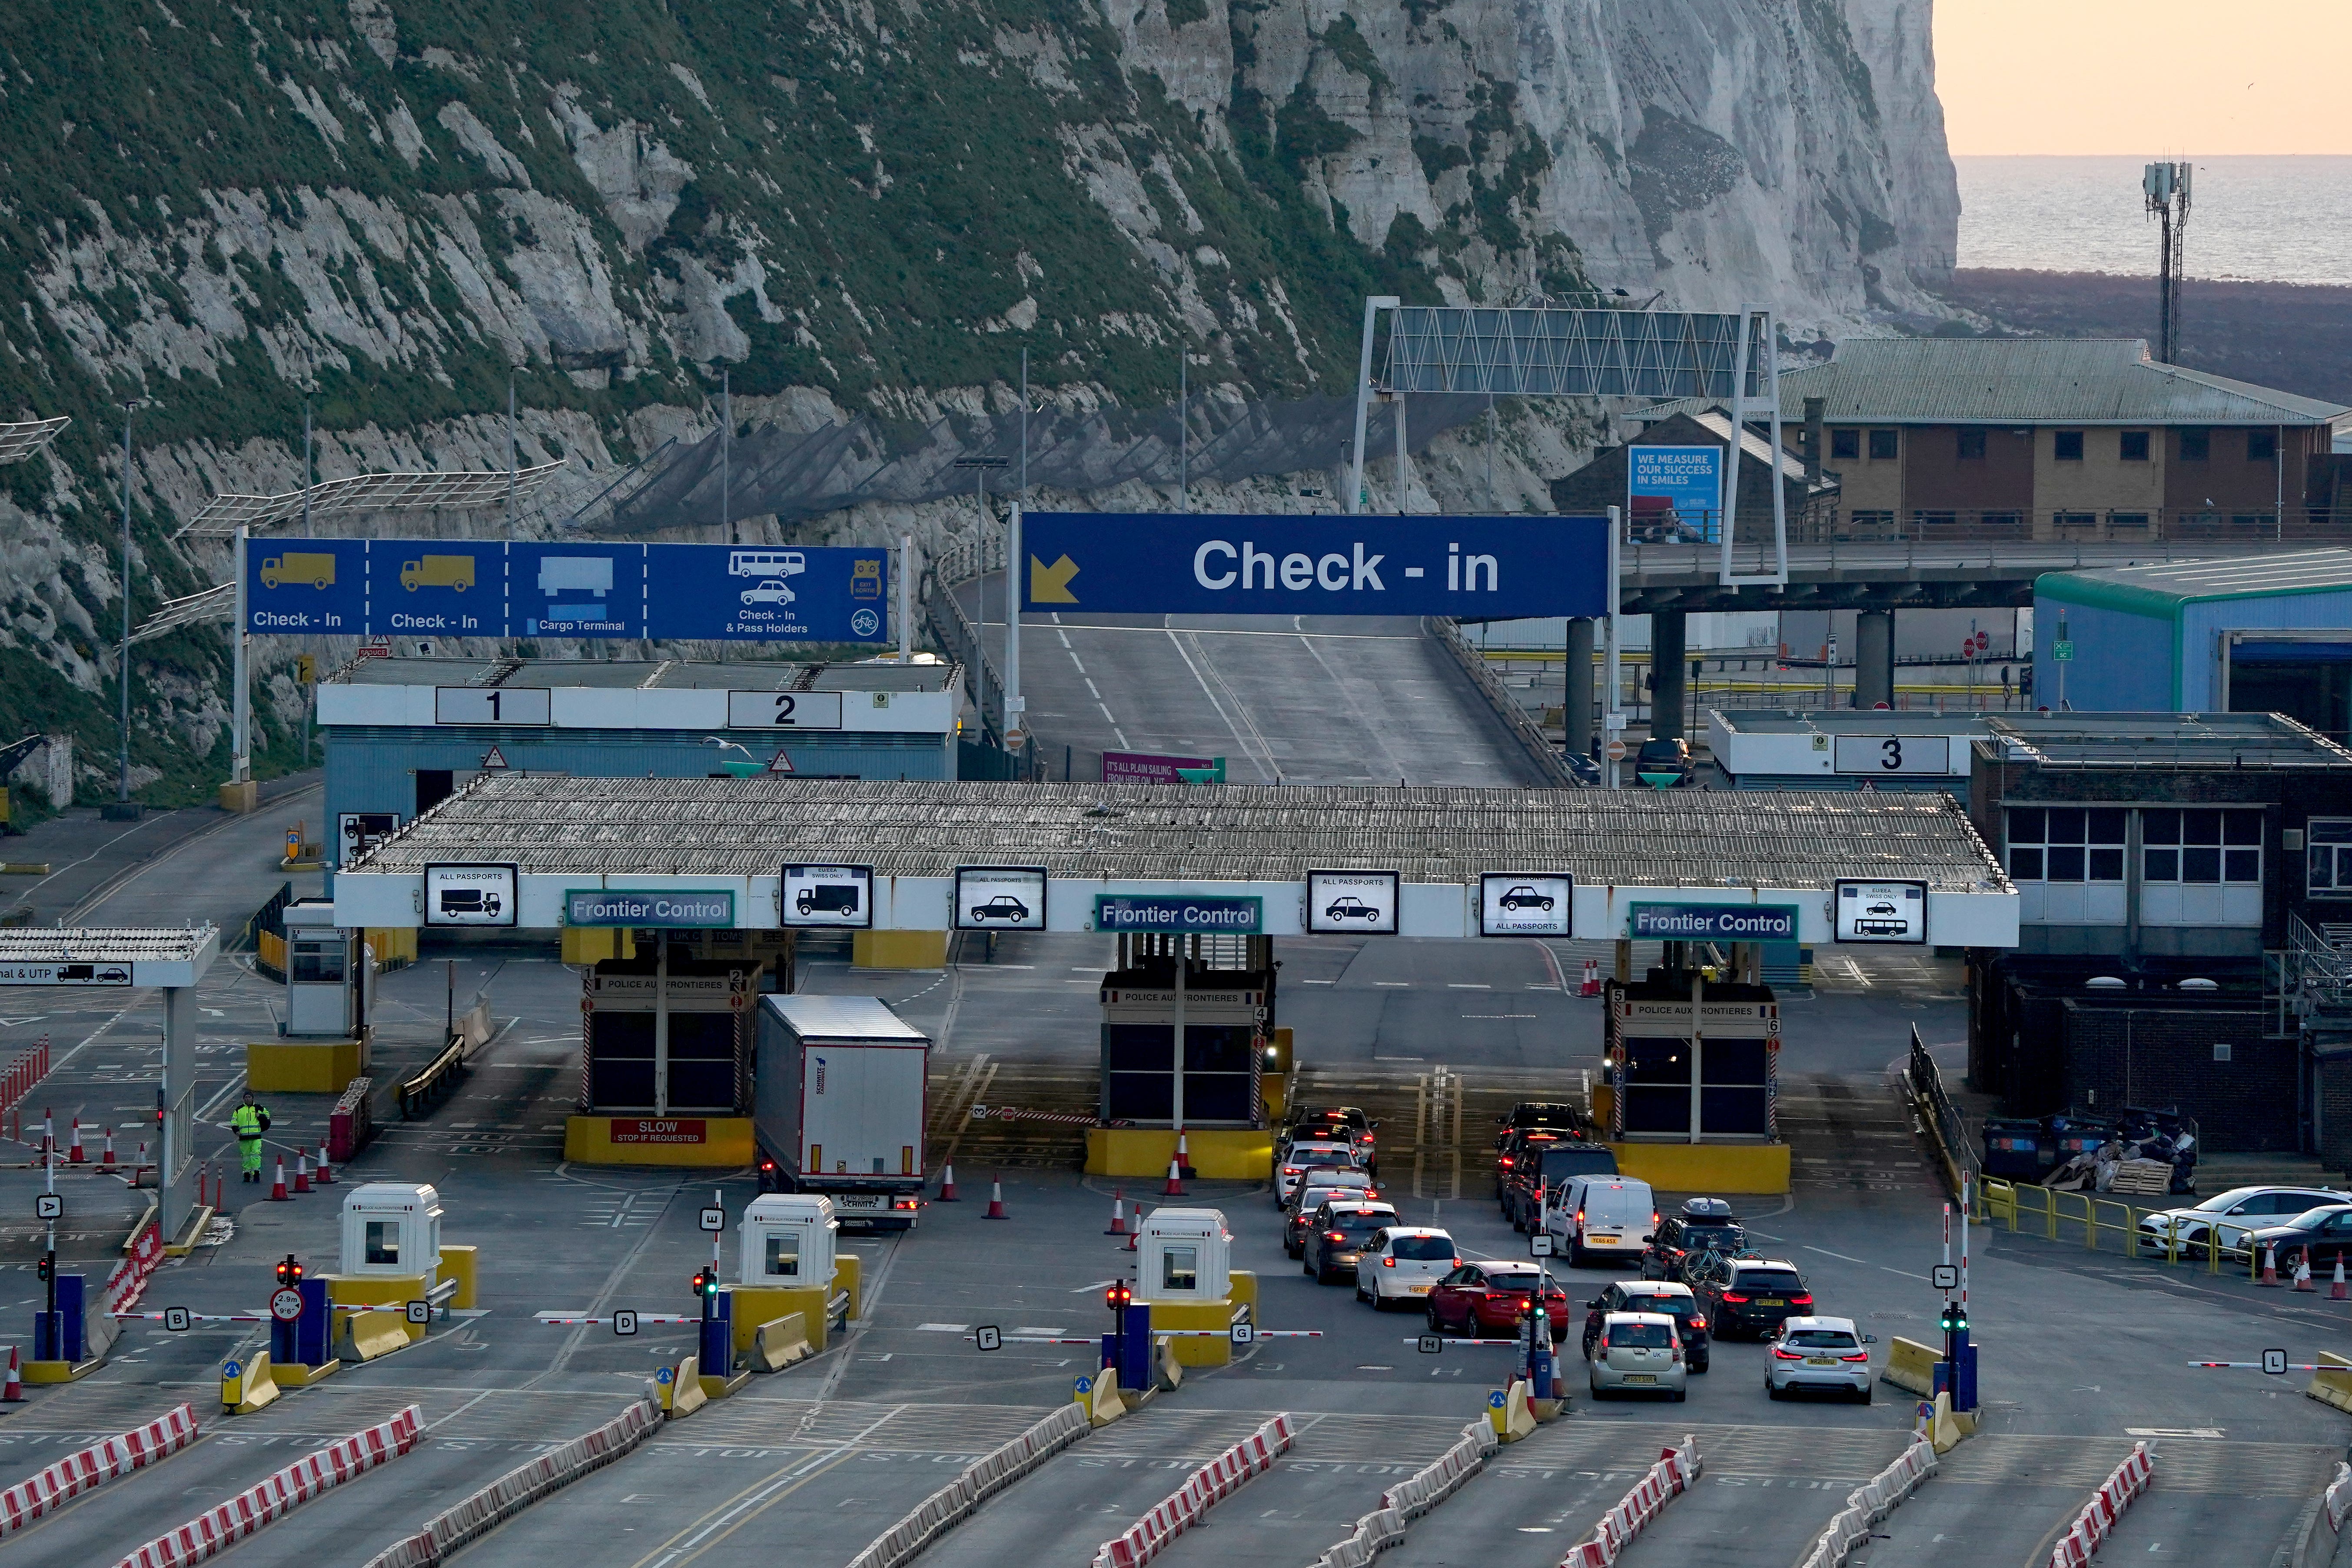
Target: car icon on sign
[[1351, 909], [771, 592], [1880, 909], [1003, 907], [1525, 898]]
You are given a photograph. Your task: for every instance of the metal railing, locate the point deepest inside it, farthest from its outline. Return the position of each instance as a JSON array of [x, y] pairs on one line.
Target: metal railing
[[2318, 966], [954, 632], [1935, 1108], [2059, 1216]]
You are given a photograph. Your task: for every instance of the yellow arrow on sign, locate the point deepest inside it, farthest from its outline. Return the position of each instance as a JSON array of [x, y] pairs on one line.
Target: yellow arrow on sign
[[1051, 584]]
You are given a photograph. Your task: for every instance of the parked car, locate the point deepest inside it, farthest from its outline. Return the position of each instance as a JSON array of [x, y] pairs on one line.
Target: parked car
[[1664, 763], [1301, 1159], [1825, 1355], [1704, 1226], [1677, 1301], [1546, 1168], [1487, 1301], [1403, 1263], [1346, 1186], [1336, 1233], [1753, 1297], [1602, 1220], [1587, 771], [2320, 1237], [1637, 1353], [2229, 1217]]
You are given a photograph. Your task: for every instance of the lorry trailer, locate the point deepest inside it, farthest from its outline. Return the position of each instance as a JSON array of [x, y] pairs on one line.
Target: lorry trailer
[[839, 1104]]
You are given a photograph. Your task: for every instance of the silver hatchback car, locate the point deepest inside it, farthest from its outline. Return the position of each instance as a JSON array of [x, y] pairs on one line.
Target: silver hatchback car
[[1637, 1353], [1825, 1354]]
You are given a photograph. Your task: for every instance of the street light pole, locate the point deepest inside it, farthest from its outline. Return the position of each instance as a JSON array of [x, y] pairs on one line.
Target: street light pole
[[122, 668]]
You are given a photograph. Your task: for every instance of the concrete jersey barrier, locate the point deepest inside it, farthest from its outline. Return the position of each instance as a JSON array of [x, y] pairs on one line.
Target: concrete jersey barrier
[[1668, 1479], [1202, 1490], [1870, 1503], [77, 1473], [1407, 1500], [476, 1516], [215, 1531], [2337, 1499], [983, 1478]]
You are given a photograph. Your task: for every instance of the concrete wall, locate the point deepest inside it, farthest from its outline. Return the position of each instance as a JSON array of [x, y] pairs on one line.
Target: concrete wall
[[2164, 1056]]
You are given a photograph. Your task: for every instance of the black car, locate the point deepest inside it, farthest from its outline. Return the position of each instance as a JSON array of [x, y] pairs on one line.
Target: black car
[[1705, 1225], [1677, 1301], [1587, 771], [1336, 1233], [1542, 1167], [1526, 898], [1664, 763], [2320, 1237], [1753, 1297], [1532, 1119]]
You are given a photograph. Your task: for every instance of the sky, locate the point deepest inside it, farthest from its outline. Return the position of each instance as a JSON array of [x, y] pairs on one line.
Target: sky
[[2146, 78]]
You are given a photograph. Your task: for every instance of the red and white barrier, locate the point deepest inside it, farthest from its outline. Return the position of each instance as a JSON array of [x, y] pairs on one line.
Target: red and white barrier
[[1202, 1490], [16, 1081], [1676, 1468], [2337, 1499], [75, 1474], [212, 1533], [2098, 1517]]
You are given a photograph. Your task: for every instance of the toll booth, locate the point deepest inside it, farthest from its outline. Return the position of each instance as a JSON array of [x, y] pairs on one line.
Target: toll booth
[[667, 1034], [1224, 996], [391, 1230], [787, 1240], [1183, 1256], [329, 974], [1691, 1060]]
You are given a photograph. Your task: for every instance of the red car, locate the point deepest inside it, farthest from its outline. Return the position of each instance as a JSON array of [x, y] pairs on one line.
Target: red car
[[1487, 1301]]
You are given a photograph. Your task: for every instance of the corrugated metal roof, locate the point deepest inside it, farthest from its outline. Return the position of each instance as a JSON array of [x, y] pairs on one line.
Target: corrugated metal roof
[[2024, 381], [2173, 582], [101, 945], [748, 827], [2159, 741], [842, 1017]]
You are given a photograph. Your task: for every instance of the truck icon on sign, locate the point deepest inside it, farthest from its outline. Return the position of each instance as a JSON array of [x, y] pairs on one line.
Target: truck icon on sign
[[468, 901], [830, 898], [454, 571], [315, 567]]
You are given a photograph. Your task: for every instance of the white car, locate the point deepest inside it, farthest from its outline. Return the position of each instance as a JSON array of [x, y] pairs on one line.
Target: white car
[[2233, 1214], [1401, 1264], [1824, 1353], [1302, 1159], [1637, 1353]]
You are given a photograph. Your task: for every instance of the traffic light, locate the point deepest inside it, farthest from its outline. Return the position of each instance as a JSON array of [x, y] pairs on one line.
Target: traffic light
[[1118, 1296], [706, 1283], [1954, 1318], [290, 1272], [47, 1268]]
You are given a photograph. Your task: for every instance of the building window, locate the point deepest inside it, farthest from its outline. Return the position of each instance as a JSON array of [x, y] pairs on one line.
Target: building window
[[1882, 445], [1846, 444], [1867, 520], [2066, 844], [2196, 446], [2261, 445], [1971, 446], [2330, 841], [2074, 521], [2066, 446], [2202, 845], [2119, 521], [2134, 446]]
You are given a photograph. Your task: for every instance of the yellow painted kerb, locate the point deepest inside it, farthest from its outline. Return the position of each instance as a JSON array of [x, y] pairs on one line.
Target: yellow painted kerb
[[1707, 1167], [726, 1143], [1218, 1154]]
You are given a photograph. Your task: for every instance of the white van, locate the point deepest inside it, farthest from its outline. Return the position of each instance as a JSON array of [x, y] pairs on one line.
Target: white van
[[1599, 1217]]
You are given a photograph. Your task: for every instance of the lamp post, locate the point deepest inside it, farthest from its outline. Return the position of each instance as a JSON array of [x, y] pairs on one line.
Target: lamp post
[[123, 667]]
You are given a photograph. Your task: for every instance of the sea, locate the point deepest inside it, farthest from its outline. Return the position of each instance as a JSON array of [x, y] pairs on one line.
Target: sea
[[2266, 219]]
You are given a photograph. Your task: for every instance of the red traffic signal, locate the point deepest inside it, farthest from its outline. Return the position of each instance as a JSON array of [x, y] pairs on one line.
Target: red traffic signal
[[706, 1282], [290, 1271], [1119, 1295], [47, 1268]]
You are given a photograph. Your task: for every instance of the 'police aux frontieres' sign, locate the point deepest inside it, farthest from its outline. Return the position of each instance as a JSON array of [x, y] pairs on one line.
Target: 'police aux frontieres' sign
[[1468, 567]]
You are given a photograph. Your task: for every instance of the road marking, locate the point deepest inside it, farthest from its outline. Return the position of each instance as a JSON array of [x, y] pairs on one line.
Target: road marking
[[1825, 1252]]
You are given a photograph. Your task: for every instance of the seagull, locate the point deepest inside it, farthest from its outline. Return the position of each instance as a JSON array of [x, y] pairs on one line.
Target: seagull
[[725, 745]]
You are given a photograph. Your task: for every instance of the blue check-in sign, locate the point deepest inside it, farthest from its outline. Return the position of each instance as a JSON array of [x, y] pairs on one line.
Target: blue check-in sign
[[1179, 912], [1714, 922], [690, 911]]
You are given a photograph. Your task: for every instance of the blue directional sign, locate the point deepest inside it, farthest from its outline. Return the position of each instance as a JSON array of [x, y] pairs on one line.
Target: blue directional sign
[[1476, 568], [376, 587]]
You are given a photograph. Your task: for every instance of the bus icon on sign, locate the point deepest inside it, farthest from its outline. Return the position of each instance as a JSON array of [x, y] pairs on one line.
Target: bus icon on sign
[[766, 563]]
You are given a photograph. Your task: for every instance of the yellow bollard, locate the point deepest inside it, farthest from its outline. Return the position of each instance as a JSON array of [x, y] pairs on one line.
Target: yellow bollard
[[247, 1386]]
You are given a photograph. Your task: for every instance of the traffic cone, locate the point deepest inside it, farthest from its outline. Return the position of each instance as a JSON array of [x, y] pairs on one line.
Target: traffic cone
[[302, 1172], [14, 1394], [1138, 1231], [2337, 1292], [278, 1186], [74, 1154], [946, 1185], [2270, 1265], [1175, 1187], [1117, 1214], [2302, 1274], [1591, 986], [326, 1172], [996, 1202], [105, 1158], [1184, 1158]]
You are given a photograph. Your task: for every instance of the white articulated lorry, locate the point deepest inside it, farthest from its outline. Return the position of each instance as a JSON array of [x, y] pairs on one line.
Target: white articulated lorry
[[839, 1103]]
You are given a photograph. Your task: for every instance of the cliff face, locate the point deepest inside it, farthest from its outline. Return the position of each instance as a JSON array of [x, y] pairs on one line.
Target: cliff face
[[391, 207]]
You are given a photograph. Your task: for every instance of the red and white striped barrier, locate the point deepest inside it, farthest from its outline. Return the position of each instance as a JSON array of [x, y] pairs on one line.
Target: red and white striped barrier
[[16, 1081], [1202, 1490], [75, 1474], [2098, 1517], [211, 1533], [1676, 1468]]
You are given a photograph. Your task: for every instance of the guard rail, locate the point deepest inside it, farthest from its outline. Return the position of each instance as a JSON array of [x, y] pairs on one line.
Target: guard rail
[[1870, 1503], [954, 1503], [2060, 1215], [1531, 740], [1407, 1500]]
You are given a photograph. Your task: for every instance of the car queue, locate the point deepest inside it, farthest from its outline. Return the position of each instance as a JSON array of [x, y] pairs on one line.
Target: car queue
[[1687, 1281]]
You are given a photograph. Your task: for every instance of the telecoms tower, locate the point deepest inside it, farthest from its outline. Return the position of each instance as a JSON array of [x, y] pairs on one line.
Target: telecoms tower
[[2166, 186]]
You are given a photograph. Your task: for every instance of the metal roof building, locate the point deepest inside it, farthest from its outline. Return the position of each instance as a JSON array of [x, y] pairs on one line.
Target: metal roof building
[[562, 835], [2266, 634]]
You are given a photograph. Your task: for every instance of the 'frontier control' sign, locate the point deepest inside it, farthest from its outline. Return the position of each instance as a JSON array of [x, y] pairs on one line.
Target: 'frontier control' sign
[[1715, 922], [689, 910], [1179, 912]]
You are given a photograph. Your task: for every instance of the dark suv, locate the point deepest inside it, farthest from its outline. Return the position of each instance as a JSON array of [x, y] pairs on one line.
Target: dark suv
[[1336, 1233], [1664, 763], [1704, 1226], [1753, 1297], [1541, 1167], [1530, 1119]]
